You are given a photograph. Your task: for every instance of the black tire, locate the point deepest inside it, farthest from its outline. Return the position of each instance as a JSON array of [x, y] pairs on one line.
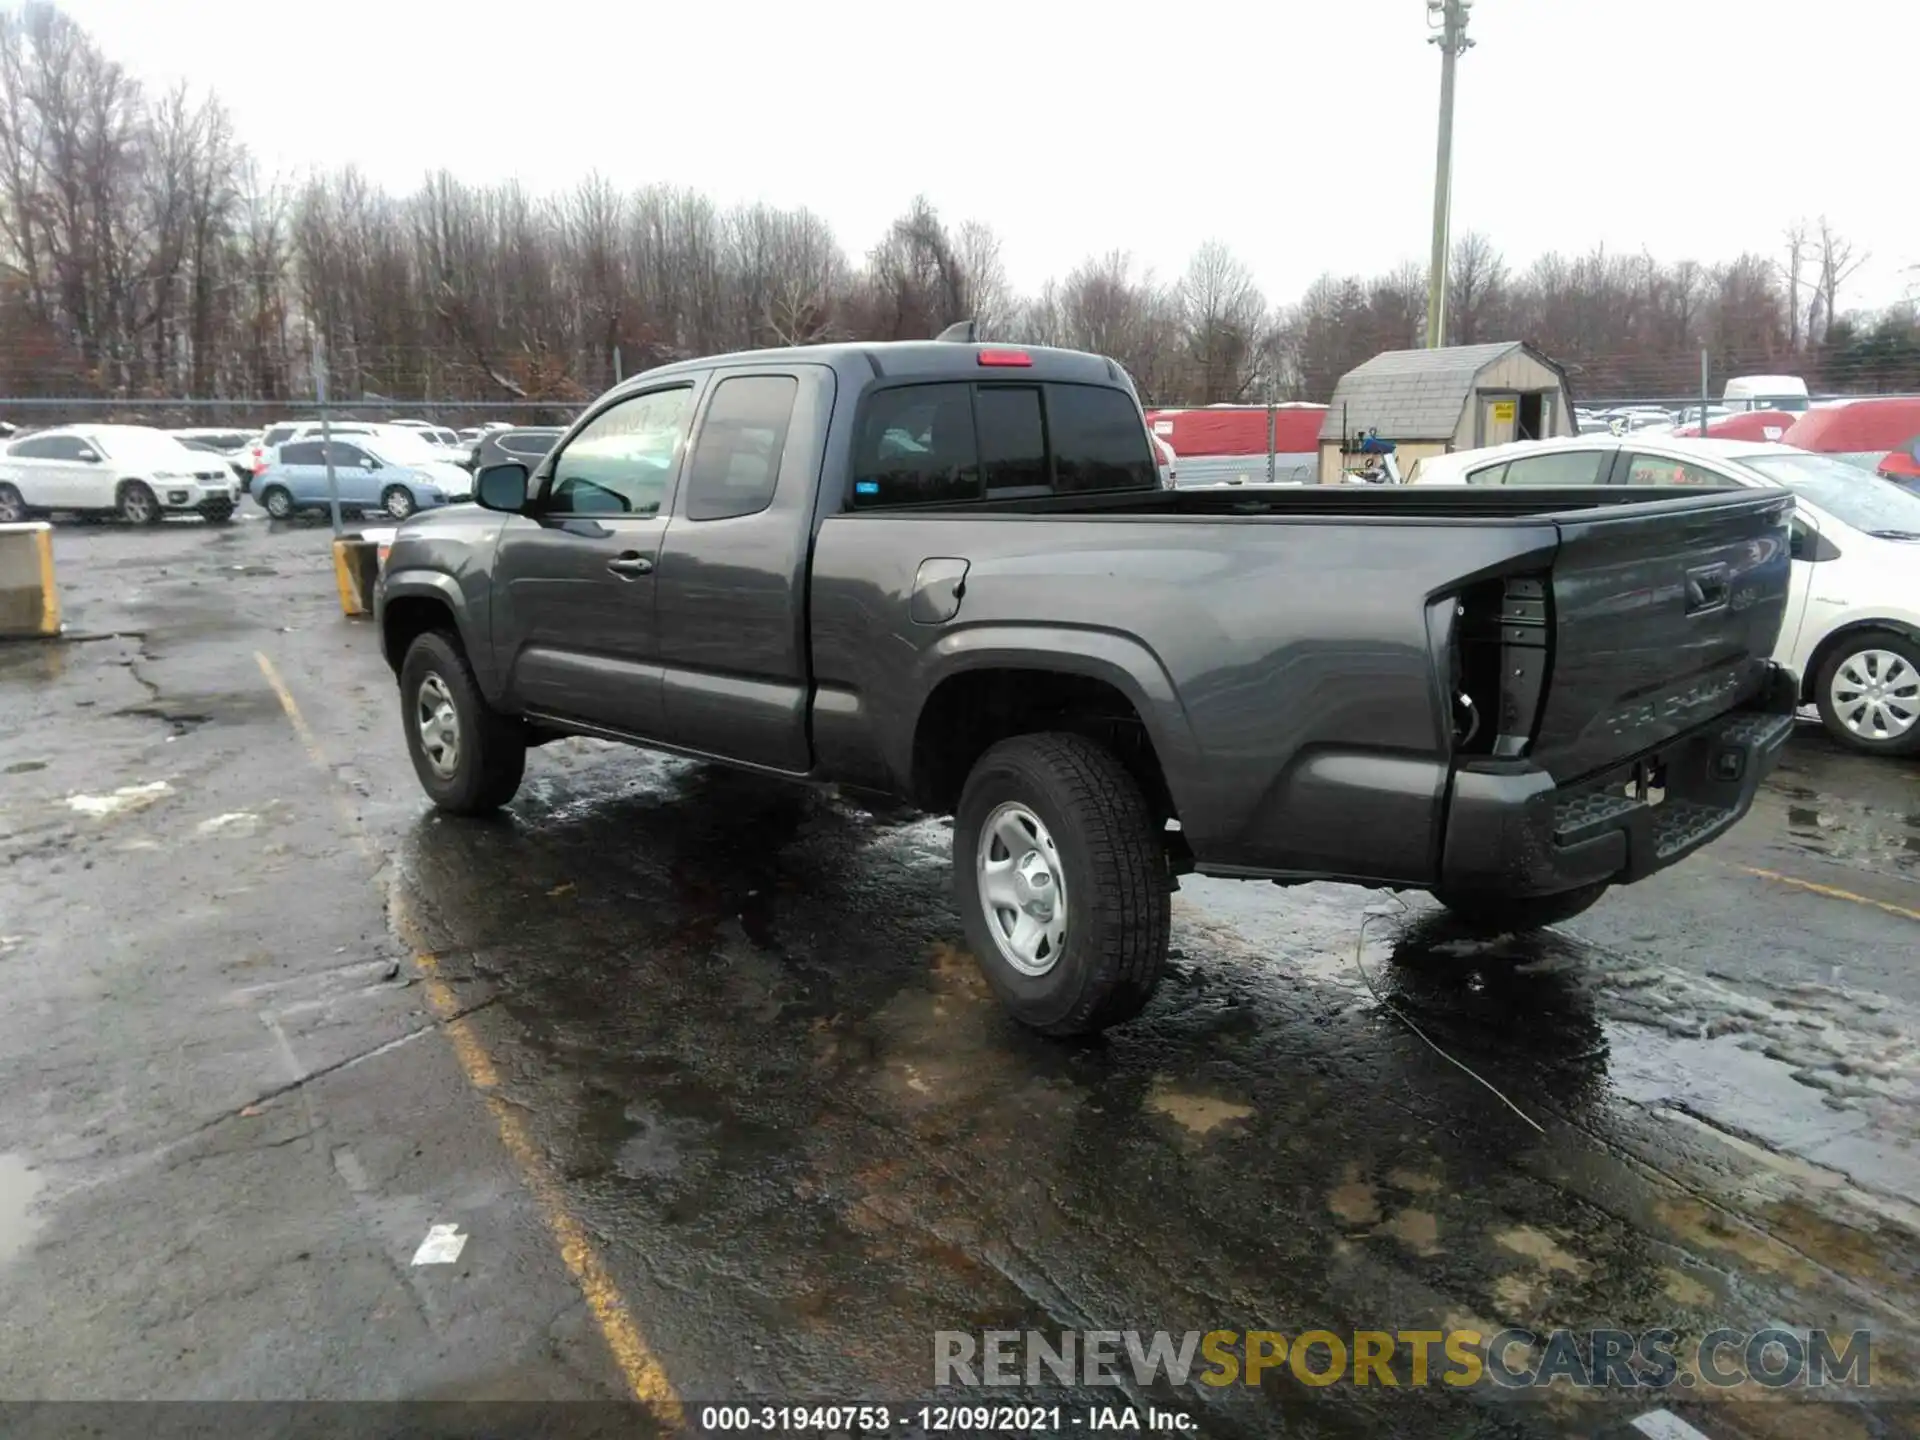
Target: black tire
[[138, 504], [491, 753], [277, 501], [1490, 914], [1112, 860], [1905, 689], [13, 508], [398, 501]]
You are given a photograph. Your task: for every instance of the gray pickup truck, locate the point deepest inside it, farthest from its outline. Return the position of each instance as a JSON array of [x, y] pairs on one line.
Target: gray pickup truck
[[947, 573]]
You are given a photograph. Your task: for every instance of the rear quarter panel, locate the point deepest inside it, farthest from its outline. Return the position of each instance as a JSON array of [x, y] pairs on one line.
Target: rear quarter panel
[[1282, 666]]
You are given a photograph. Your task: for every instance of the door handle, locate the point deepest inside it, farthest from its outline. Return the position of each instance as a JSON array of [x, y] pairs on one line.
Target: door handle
[[630, 565]]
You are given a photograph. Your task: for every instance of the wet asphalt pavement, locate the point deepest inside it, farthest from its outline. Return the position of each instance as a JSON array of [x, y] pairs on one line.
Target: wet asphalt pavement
[[699, 1066]]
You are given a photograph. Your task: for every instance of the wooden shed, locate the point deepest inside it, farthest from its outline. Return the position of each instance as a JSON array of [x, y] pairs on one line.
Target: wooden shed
[[1430, 402]]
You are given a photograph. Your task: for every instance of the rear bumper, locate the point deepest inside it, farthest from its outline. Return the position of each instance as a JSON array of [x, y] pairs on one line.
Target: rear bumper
[[1514, 832]]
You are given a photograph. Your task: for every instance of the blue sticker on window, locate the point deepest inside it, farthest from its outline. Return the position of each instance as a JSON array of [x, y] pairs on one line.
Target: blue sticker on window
[[866, 487]]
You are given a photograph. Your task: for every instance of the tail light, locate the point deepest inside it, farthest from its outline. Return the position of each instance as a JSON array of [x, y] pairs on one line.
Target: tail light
[[1499, 658]]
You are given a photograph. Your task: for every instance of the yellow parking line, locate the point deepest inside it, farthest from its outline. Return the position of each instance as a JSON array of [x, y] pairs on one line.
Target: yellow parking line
[[644, 1376], [1832, 893]]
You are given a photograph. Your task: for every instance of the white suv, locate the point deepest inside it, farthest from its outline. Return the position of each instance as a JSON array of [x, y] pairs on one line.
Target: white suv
[[1852, 627], [134, 471]]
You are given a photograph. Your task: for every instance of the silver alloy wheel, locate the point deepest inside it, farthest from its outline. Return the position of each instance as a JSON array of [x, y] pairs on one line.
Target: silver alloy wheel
[[439, 725], [1876, 694], [12, 508], [279, 503], [139, 505], [399, 503], [1023, 889]]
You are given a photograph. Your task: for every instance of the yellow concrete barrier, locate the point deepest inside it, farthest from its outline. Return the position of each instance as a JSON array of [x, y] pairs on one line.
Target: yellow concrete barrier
[[29, 595], [356, 569]]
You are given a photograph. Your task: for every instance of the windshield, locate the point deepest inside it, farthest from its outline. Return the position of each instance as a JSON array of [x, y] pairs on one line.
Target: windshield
[[403, 445], [1793, 403], [160, 449], [1851, 495]]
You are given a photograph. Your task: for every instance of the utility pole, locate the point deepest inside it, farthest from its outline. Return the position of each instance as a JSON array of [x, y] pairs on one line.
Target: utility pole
[[1451, 16]]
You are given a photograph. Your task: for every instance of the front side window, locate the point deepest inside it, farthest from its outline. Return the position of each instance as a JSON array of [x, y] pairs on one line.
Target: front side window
[[349, 455], [1099, 440], [1660, 470], [916, 447], [735, 465], [71, 447], [622, 462]]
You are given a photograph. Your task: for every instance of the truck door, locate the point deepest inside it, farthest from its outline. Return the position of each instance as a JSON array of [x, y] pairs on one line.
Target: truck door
[[575, 579], [732, 579]]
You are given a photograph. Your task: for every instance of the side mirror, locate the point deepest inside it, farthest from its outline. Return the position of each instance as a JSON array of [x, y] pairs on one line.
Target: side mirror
[[90, 457], [502, 487], [367, 462]]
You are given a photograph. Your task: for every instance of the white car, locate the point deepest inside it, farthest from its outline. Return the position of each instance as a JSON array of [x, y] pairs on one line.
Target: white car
[[401, 444], [1852, 627], [139, 473]]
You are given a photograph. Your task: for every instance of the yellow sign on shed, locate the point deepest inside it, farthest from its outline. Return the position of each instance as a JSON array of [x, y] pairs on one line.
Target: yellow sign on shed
[[1503, 411]]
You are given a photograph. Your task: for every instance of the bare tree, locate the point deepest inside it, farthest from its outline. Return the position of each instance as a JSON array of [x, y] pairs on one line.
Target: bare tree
[[1476, 290], [1793, 273], [1224, 317], [1838, 264]]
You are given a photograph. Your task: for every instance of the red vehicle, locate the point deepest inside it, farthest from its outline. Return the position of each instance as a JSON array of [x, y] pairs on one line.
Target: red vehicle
[[1767, 425], [1239, 429], [1862, 432]]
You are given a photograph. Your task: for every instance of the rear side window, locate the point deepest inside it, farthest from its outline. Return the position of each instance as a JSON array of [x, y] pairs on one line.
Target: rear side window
[[43, 448], [302, 453], [916, 447], [535, 445], [1013, 438], [1099, 441], [1559, 467], [736, 461]]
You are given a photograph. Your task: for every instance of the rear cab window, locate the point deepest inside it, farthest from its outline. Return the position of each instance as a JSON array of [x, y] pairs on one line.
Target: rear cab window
[[949, 442]]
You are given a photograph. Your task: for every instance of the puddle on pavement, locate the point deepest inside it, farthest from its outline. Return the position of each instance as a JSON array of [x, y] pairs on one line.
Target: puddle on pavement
[[19, 1184]]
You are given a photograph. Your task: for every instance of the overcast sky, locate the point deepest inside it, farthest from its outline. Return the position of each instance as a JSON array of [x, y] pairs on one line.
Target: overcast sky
[[1301, 132]]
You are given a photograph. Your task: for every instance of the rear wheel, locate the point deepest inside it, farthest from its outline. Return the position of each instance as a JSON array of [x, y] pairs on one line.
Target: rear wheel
[[1494, 914], [1869, 693], [138, 504], [469, 757], [278, 501], [397, 501], [1061, 880], [13, 509]]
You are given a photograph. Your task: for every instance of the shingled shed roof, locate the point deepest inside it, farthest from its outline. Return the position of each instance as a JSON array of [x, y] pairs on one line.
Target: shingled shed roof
[[1413, 394]]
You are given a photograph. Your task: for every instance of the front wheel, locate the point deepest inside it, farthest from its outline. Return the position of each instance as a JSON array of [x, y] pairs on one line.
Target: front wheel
[[1493, 914], [138, 504], [1061, 880], [1869, 693], [398, 502], [469, 757]]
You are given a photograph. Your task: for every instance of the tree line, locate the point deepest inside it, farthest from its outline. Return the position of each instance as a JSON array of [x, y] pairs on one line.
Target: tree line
[[144, 254]]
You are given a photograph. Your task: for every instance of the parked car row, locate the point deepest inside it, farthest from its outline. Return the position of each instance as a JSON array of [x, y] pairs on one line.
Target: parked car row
[[1852, 624], [133, 471], [143, 474]]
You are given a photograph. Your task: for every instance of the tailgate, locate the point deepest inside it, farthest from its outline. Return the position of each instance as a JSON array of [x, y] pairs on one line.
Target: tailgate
[[1662, 616]]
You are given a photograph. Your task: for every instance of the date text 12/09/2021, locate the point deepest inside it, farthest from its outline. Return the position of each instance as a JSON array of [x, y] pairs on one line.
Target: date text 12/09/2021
[[941, 1419]]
